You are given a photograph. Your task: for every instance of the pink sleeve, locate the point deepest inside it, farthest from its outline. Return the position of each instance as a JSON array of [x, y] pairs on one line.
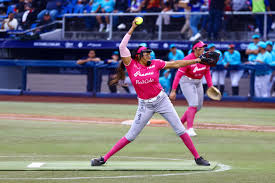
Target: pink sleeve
[[208, 78], [124, 51], [160, 64], [177, 78]]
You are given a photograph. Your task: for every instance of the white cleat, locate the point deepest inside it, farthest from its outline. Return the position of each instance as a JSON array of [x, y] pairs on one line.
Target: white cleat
[[191, 132]]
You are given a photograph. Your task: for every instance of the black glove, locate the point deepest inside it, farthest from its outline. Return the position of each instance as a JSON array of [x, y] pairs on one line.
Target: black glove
[[210, 58]]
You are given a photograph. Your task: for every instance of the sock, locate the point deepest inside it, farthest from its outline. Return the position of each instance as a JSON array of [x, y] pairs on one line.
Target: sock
[[191, 111], [183, 118], [189, 144], [119, 145]]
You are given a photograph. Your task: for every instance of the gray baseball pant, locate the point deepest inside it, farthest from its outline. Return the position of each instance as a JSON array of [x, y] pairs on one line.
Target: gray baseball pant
[[147, 108], [193, 91]]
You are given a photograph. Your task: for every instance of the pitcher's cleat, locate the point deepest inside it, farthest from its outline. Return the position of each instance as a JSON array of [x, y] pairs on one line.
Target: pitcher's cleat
[[202, 162], [191, 132], [97, 161]]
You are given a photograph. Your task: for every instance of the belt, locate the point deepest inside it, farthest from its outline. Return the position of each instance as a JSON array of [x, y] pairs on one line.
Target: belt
[[154, 98], [191, 78]]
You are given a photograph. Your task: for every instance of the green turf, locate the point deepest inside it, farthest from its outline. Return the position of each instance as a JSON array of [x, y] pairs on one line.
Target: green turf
[[250, 154], [207, 114], [164, 165]]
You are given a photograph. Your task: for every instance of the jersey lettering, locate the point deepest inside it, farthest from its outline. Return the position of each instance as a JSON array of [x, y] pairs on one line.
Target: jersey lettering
[[146, 81], [198, 69], [145, 74]]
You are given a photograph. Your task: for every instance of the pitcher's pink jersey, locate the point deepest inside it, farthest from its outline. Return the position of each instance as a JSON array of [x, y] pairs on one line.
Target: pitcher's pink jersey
[[146, 79], [194, 71]]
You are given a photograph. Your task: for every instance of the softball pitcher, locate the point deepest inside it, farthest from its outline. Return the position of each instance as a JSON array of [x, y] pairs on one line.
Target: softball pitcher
[[144, 74], [190, 79]]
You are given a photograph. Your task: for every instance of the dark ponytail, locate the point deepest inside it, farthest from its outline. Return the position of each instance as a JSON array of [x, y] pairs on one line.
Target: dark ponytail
[[121, 68], [120, 75]]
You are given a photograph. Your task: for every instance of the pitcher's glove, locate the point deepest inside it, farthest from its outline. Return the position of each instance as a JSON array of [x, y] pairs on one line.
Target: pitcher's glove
[[214, 93], [210, 58]]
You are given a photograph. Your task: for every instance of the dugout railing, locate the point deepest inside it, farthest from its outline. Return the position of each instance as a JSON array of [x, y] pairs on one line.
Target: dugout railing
[[21, 69]]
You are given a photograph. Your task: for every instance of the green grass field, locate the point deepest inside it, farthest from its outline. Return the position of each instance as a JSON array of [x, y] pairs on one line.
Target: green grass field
[[249, 154]]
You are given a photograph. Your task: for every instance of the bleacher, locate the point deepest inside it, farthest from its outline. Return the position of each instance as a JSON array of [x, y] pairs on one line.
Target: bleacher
[[71, 39]]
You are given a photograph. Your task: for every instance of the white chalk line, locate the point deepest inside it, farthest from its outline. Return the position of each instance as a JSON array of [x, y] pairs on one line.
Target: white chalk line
[[221, 169]]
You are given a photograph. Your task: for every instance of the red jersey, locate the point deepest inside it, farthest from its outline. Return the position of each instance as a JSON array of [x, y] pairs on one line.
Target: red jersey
[[194, 71]]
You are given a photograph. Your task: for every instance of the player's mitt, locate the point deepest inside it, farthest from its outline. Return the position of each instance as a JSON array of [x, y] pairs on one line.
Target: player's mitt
[[210, 58], [214, 93]]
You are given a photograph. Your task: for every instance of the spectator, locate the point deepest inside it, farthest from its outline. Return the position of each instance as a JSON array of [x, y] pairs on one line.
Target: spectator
[[27, 17], [95, 6], [20, 7], [10, 23], [91, 58], [269, 47], [121, 6], [45, 21], [186, 29], [195, 19], [239, 5], [228, 19], [232, 57], [112, 71], [261, 6], [92, 7], [107, 6], [136, 6], [152, 54], [252, 49], [168, 7], [79, 7], [165, 81], [263, 75], [151, 6], [175, 54], [204, 23], [218, 76], [53, 7], [216, 10]]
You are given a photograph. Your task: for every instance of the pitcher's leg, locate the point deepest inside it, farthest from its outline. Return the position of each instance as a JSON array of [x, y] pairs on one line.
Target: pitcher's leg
[[200, 96], [143, 115], [190, 92], [167, 110]]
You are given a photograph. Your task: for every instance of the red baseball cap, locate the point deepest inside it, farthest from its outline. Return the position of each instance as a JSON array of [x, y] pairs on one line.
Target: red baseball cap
[[199, 44], [144, 49], [231, 46]]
